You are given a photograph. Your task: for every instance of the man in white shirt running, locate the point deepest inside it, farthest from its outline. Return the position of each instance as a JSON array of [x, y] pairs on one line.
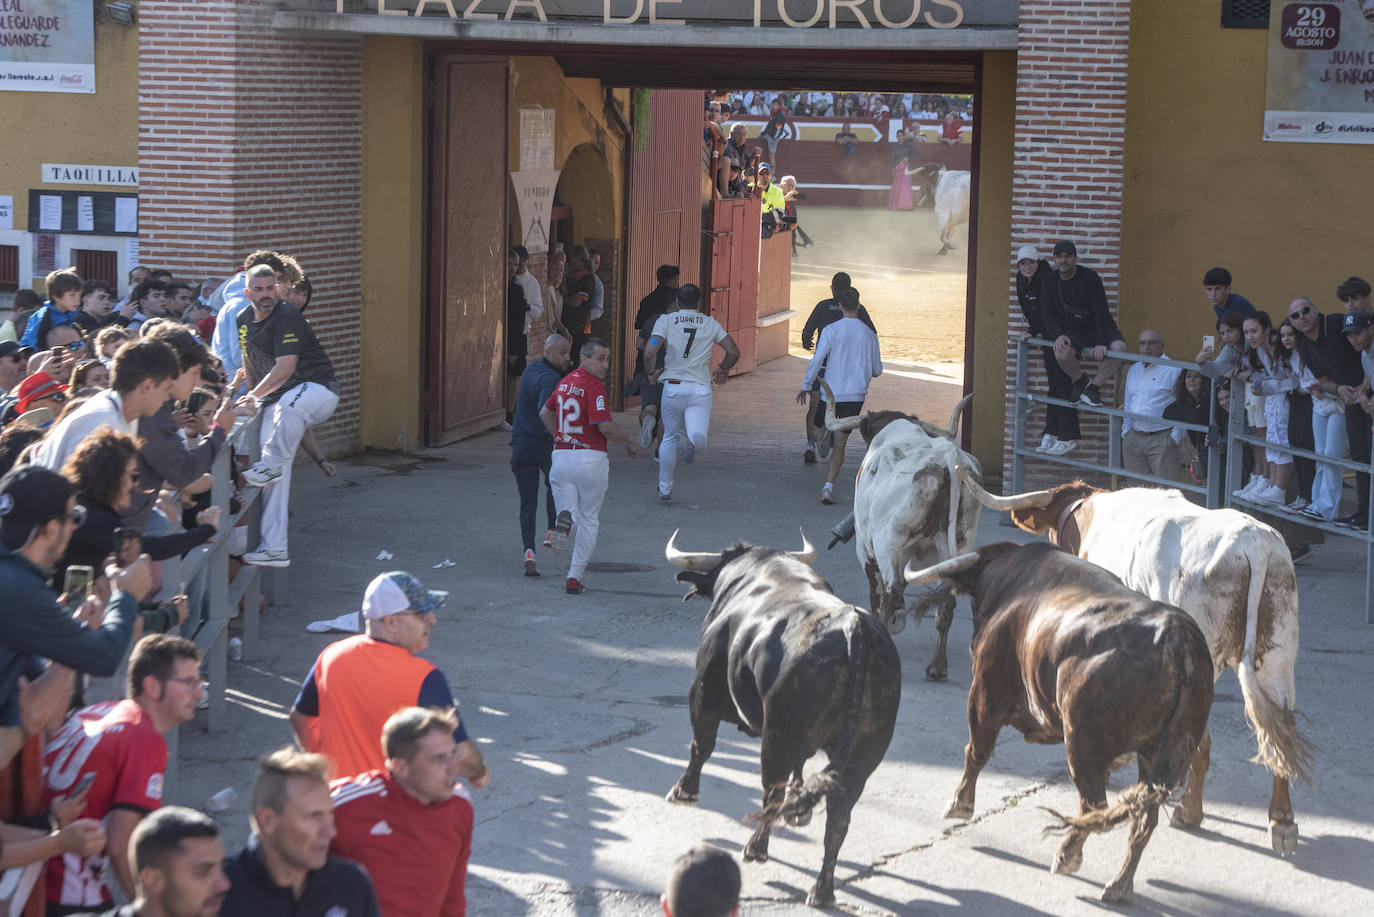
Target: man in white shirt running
[[848, 349], [687, 338]]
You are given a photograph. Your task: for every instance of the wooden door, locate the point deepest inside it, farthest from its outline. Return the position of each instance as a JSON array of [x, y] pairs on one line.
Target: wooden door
[[465, 348], [732, 273]]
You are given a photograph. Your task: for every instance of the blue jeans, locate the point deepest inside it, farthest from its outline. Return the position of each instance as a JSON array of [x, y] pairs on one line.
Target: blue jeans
[[526, 462]]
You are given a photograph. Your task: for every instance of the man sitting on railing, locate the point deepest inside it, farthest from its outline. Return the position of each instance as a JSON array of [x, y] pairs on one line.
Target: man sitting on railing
[[1146, 446], [1078, 320]]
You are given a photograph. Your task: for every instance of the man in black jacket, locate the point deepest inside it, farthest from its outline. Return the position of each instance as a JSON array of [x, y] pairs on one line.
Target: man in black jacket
[[1078, 320], [827, 312], [1061, 424], [661, 299]]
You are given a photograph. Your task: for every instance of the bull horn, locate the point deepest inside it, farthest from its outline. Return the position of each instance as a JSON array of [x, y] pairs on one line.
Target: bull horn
[[953, 427], [944, 568], [808, 552], [701, 560], [1035, 499], [833, 423]]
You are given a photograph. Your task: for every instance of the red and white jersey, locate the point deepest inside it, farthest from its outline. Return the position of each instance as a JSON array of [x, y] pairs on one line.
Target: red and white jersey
[[117, 742], [579, 405], [417, 854]]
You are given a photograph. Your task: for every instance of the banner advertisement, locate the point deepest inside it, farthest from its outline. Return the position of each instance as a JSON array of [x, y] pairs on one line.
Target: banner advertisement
[[1320, 85], [47, 46]]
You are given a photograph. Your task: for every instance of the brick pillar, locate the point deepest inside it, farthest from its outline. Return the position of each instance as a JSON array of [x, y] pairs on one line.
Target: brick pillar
[[1069, 146], [249, 139]]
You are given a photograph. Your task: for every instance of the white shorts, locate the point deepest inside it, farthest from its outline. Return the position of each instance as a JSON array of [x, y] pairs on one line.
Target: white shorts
[[1276, 429]]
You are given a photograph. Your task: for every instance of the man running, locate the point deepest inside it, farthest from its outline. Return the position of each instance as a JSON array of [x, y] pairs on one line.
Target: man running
[[576, 416], [687, 338]]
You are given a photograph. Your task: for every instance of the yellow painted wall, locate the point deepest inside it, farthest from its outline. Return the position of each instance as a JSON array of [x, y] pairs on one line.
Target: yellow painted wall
[[99, 128], [996, 117], [1202, 189]]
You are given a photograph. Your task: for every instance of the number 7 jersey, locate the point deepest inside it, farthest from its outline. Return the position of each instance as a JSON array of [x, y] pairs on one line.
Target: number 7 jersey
[[688, 339], [579, 405]]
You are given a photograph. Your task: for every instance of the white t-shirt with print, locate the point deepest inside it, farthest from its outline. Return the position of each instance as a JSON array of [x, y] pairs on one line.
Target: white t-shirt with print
[[688, 337]]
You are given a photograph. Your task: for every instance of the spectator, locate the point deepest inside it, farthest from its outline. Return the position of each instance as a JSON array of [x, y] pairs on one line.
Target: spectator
[[1192, 404], [293, 382], [38, 514], [598, 300], [1299, 421], [357, 683], [517, 339], [137, 275], [777, 127], [575, 316], [1216, 283], [718, 168], [38, 392], [951, 131], [577, 417], [1074, 308], [26, 302], [848, 351], [178, 866], [64, 300], [661, 299], [826, 312], [89, 377], [8, 333], [1354, 293], [420, 865], [734, 148], [230, 299], [95, 312], [534, 297], [64, 344], [736, 187], [553, 296], [142, 376], [179, 295], [108, 342], [14, 358], [1226, 364], [705, 882], [13, 441], [532, 446], [208, 286], [1061, 423], [285, 868], [1146, 445], [790, 196], [160, 273], [1272, 372], [773, 203], [102, 469], [149, 300]]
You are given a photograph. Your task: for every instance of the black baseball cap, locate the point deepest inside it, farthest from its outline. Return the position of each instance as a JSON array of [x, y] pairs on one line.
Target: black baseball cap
[[1357, 321], [1066, 247], [29, 496], [11, 348]]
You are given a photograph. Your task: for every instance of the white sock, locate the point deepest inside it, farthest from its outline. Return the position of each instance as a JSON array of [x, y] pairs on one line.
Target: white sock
[[811, 446]]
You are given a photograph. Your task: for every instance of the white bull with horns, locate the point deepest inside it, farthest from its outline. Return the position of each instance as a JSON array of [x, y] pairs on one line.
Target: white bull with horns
[[909, 506], [1231, 573]]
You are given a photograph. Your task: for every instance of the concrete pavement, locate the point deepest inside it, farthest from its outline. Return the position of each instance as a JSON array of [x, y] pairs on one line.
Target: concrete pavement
[[580, 701]]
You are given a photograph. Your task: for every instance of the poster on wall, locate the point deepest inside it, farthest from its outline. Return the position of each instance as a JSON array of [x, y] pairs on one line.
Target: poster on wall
[[534, 197], [47, 46], [1320, 83]]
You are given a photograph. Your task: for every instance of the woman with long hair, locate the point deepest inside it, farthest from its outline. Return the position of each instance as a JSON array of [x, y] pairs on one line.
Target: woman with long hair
[[1270, 374], [1192, 405]]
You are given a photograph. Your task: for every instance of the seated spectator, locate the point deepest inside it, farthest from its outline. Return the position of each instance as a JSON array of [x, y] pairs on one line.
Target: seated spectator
[[102, 469], [847, 139], [1079, 321], [951, 131], [286, 868], [231, 299], [1192, 404], [108, 342], [89, 377], [1146, 445], [121, 744], [64, 300], [420, 866], [38, 514], [705, 882]]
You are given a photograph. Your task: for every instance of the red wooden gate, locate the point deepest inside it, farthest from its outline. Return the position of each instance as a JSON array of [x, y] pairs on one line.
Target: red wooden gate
[[731, 283]]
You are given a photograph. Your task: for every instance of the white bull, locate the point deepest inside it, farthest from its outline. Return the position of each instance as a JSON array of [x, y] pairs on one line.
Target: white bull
[[909, 505], [1231, 573], [951, 192]]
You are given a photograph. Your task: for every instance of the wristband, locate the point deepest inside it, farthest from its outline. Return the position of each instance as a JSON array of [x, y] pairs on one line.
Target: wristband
[[321, 462]]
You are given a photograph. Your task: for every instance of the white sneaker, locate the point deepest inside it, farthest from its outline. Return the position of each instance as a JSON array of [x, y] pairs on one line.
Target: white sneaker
[[1298, 505], [267, 559], [1062, 447], [1269, 494], [828, 494], [261, 475], [1248, 491], [1046, 443], [646, 431]]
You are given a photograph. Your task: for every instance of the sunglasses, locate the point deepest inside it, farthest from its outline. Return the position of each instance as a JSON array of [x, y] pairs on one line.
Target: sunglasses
[[1303, 311]]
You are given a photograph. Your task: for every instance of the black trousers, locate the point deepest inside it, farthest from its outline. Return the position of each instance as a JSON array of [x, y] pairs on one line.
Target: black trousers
[[1299, 435], [1357, 433], [1060, 422], [527, 462]]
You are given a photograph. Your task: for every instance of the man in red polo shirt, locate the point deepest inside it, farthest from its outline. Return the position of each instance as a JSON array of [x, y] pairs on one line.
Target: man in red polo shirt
[[576, 416], [410, 824], [356, 684]]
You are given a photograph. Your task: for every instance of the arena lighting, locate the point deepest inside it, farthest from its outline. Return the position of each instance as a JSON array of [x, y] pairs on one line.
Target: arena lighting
[[120, 12]]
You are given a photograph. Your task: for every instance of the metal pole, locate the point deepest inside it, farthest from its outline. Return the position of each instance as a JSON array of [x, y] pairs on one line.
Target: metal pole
[[1018, 463]]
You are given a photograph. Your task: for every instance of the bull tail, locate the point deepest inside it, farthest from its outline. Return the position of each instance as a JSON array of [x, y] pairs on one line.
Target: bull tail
[[1132, 803], [794, 807], [1283, 750], [955, 494]]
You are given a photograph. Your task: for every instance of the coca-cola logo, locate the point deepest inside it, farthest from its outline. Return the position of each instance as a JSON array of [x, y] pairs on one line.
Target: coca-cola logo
[[71, 79]]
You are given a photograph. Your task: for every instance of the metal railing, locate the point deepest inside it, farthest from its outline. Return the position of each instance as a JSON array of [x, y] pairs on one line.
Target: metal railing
[[1217, 492]]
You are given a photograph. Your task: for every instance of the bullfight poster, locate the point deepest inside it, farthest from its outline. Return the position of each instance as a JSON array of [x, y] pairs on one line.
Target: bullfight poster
[[47, 46], [1320, 85]]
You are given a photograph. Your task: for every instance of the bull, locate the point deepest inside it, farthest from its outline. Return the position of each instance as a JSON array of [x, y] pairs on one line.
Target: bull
[[909, 505], [785, 660], [1232, 573], [1064, 652], [950, 188]]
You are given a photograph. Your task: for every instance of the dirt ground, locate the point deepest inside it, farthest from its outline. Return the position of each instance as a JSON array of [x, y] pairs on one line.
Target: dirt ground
[[915, 296]]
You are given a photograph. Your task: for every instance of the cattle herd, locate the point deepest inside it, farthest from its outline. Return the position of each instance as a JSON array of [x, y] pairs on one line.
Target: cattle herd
[[1108, 638]]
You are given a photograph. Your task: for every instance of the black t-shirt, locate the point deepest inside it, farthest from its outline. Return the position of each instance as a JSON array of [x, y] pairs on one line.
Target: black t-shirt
[[1331, 355], [660, 300], [828, 312], [577, 304], [517, 344], [284, 332]]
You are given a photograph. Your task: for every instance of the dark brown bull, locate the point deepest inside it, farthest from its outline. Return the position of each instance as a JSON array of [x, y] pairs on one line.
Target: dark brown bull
[[1065, 653]]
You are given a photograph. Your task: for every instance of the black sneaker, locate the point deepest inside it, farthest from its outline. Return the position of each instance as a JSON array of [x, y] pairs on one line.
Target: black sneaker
[[1301, 553], [1359, 522], [1091, 396], [809, 456], [561, 528], [1078, 385]]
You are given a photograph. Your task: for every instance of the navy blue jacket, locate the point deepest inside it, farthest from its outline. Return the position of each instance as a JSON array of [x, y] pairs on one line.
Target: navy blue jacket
[[338, 887], [537, 383]]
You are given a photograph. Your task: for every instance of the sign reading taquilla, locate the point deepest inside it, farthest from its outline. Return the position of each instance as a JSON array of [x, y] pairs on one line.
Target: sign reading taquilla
[[55, 173]]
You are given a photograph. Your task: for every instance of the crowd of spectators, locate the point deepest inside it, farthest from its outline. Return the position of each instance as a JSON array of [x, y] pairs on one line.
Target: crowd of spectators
[[853, 105]]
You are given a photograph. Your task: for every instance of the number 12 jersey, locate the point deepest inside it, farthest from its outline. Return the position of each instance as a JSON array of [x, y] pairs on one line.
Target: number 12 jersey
[[688, 338], [579, 405]]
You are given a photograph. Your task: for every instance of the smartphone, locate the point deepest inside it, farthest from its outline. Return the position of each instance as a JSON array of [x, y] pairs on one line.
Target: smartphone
[[82, 785], [58, 352], [77, 585], [1209, 342], [128, 544]]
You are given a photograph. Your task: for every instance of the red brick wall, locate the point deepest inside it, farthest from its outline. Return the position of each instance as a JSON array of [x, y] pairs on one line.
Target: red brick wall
[[1068, 152], [249, 139]]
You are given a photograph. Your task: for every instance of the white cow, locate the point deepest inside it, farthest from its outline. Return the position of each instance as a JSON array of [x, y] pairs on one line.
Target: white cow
[[909, 505], [951, 192], [1230, 572]]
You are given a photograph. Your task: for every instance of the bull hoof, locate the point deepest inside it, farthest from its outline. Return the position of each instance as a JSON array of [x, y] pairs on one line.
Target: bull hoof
[[936, 672], [800, 820], [1118, 893], [755, 853], [1067, 865], [681, 797], [822, 899], [1180, 818], [896, 624], [960, 810], [1283, 837]]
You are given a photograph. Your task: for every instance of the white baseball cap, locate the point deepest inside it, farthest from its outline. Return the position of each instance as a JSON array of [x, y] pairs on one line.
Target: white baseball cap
[[1027, 251], [397, 591]]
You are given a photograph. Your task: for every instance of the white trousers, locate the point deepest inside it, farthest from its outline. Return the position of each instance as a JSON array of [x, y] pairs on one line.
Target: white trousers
[[1276, 429], [578, 478], [686, 414], [1329, 438], [283, 425]]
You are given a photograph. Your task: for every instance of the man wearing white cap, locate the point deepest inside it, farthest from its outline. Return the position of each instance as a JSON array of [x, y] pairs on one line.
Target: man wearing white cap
[[1061, 423], [357, 683]]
